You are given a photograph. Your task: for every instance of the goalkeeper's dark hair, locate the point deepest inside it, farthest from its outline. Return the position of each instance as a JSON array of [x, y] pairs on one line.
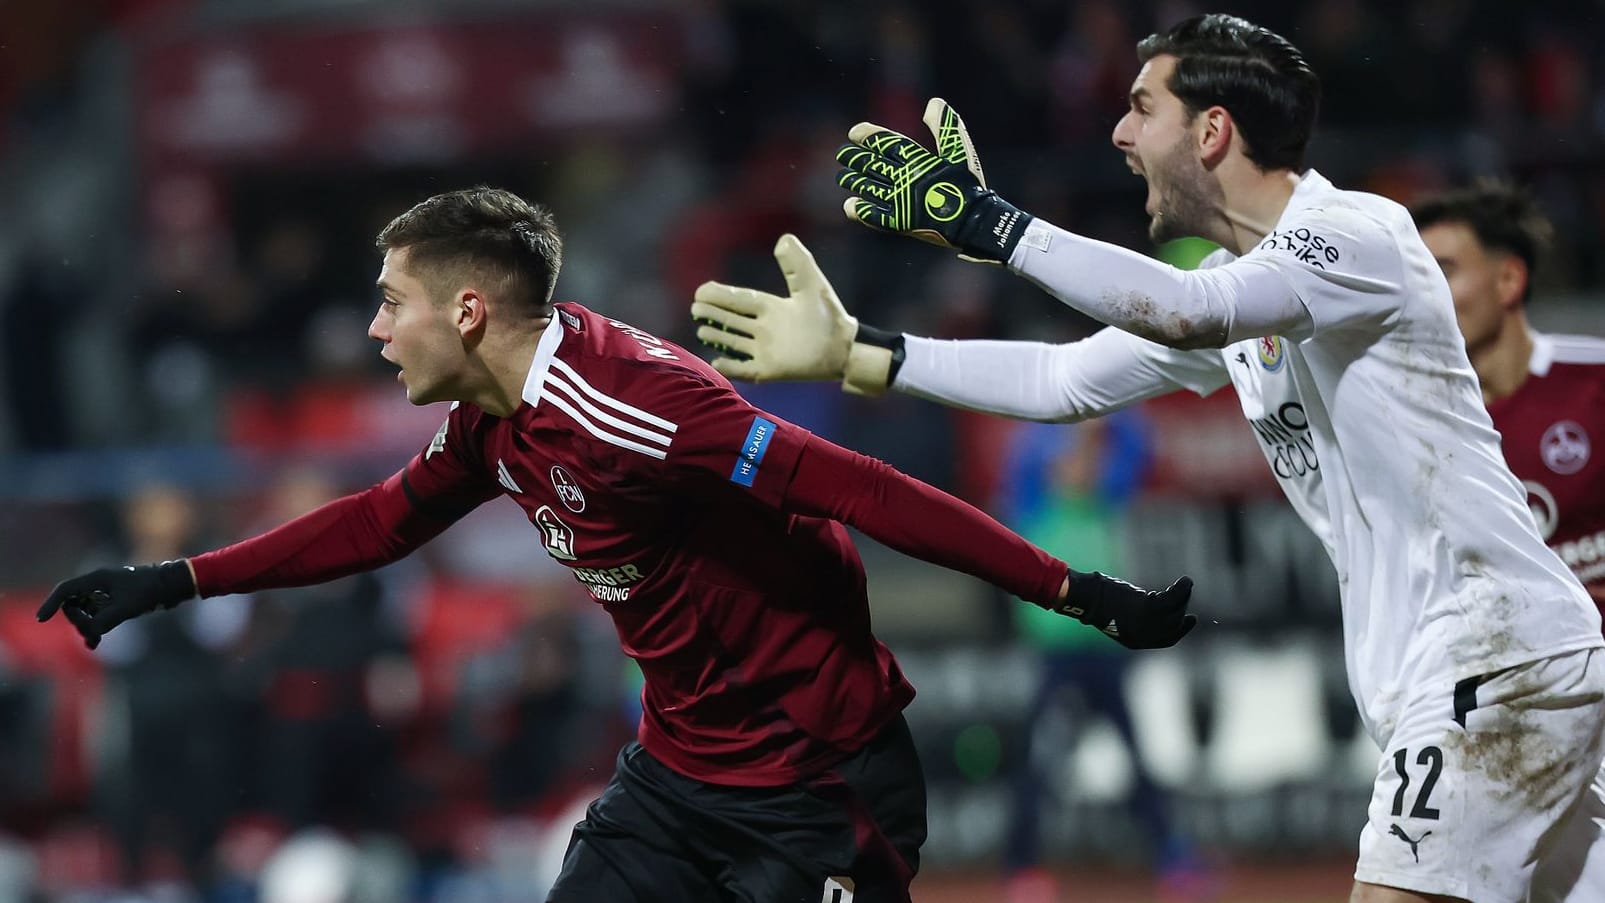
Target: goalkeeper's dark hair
[[481, 233], [1252, 72], [1501, 215]]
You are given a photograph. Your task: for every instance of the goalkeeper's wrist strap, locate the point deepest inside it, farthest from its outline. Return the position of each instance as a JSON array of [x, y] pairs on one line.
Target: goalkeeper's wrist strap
[[873, 360], [992, 230]]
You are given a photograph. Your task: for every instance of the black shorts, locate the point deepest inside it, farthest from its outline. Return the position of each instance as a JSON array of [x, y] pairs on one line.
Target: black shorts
[[849, 835]]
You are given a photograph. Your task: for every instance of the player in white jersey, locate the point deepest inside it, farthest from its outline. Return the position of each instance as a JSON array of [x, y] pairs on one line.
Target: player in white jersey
[[1473, 653]]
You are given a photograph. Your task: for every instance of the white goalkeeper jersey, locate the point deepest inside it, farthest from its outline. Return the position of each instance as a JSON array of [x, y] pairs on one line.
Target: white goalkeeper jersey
[[1366, 408]]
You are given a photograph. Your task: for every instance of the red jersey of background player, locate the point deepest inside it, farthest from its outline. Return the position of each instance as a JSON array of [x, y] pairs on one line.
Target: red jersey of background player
[[1554, 440], [706, 528]]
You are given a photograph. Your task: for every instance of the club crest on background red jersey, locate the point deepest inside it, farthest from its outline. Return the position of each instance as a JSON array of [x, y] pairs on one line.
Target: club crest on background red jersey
[[1565, 447]]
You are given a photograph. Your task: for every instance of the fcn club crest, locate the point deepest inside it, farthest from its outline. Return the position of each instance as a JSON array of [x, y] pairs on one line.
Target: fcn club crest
[[568, 490]]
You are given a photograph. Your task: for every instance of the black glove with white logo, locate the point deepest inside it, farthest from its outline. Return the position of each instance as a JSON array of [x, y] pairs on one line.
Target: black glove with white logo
[[100, 600], [1134, 617]]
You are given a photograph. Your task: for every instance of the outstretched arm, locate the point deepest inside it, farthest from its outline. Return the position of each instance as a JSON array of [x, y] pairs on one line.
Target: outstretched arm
[[1209, 308], [918, 520], [722, 444], [348, 535], [351, 534], [1073, 381], [924, 522], [941, 196], [809, 335]]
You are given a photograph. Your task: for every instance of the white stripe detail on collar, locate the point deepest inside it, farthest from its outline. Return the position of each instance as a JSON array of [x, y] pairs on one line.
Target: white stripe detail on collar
[[545, 353]]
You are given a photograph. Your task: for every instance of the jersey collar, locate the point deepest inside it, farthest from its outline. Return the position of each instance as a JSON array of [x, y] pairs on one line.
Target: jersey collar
[[545, 350], [1543, 355], [1306, 193], [1310, 186]]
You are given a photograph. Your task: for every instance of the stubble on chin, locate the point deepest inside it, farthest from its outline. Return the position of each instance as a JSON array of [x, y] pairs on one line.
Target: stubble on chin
[[1186, 214], [1158, 228], [1169, 223], [1189, 200]]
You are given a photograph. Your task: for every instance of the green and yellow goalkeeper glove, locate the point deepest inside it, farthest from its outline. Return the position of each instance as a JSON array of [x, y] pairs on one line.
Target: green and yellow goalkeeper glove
[[900, 186], [807, 335]]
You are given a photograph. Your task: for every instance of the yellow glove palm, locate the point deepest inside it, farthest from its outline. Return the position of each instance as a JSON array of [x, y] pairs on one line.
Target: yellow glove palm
[[807, 335]]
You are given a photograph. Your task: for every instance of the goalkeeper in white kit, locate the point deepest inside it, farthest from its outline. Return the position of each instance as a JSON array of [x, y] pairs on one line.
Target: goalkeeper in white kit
[[1472, 651]]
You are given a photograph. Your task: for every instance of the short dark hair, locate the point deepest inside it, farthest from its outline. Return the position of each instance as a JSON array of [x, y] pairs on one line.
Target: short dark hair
[[483, 233], [1254, 73], [1501, 215]]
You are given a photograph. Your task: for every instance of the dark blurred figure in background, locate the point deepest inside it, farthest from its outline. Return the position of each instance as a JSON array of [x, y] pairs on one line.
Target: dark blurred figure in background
[[1066, 488], [542, 725], [328, 664], [170, 749], [94, 163], [31, 358]]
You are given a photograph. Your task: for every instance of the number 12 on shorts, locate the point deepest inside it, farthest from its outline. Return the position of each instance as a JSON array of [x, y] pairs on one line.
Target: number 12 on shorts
[[838, 890], [1429, 758]]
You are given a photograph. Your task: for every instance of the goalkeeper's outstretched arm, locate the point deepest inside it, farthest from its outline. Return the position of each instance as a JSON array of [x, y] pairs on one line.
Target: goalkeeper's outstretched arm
[[808, 335], [896, 184]]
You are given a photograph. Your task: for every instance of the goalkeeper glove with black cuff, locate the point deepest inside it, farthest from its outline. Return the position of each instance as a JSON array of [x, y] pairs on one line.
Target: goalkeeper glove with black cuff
[[100, 600], [900, 186], [807, 335]]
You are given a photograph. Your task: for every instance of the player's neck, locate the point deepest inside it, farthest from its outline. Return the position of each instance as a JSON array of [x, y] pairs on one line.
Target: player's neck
[[503, 371], [1503, 365], [1254, 201]]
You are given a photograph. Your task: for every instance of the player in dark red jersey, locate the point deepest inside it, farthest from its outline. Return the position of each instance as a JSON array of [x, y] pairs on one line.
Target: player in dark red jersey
[[773, 762], [1546, 393]]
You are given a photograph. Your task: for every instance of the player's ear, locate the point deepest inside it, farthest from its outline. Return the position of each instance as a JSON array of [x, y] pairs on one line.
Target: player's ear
[[468, 311], [1214, 131], [1511, 280]]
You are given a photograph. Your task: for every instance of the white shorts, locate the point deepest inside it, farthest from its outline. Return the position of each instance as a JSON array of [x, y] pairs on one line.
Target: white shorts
[[1485, 779]]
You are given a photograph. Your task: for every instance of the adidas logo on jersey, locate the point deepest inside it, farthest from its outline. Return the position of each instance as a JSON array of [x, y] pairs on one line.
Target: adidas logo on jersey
[[505, 478], [438, 444]]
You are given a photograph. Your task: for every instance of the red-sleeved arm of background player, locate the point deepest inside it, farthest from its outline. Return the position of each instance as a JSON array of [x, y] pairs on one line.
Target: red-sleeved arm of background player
[[348, 535], [918, 520]]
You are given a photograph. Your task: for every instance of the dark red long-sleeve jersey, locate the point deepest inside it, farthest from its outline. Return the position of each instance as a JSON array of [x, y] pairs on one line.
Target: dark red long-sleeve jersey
[[1549, 427], [709, 530]]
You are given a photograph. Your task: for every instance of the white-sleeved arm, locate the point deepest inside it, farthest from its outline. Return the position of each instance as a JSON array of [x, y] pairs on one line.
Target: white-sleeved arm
[[1039, 381], [1205, 308], [1322, 268]]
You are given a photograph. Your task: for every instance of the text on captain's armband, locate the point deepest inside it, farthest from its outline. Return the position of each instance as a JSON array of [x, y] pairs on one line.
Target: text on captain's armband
[[1305, 246]]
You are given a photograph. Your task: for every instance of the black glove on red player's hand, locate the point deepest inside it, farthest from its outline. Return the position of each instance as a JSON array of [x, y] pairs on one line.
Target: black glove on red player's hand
[[1134, 617], [100, 600]]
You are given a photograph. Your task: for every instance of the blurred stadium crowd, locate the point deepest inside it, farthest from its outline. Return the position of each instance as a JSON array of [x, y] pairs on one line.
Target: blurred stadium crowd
[[190, 191]]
